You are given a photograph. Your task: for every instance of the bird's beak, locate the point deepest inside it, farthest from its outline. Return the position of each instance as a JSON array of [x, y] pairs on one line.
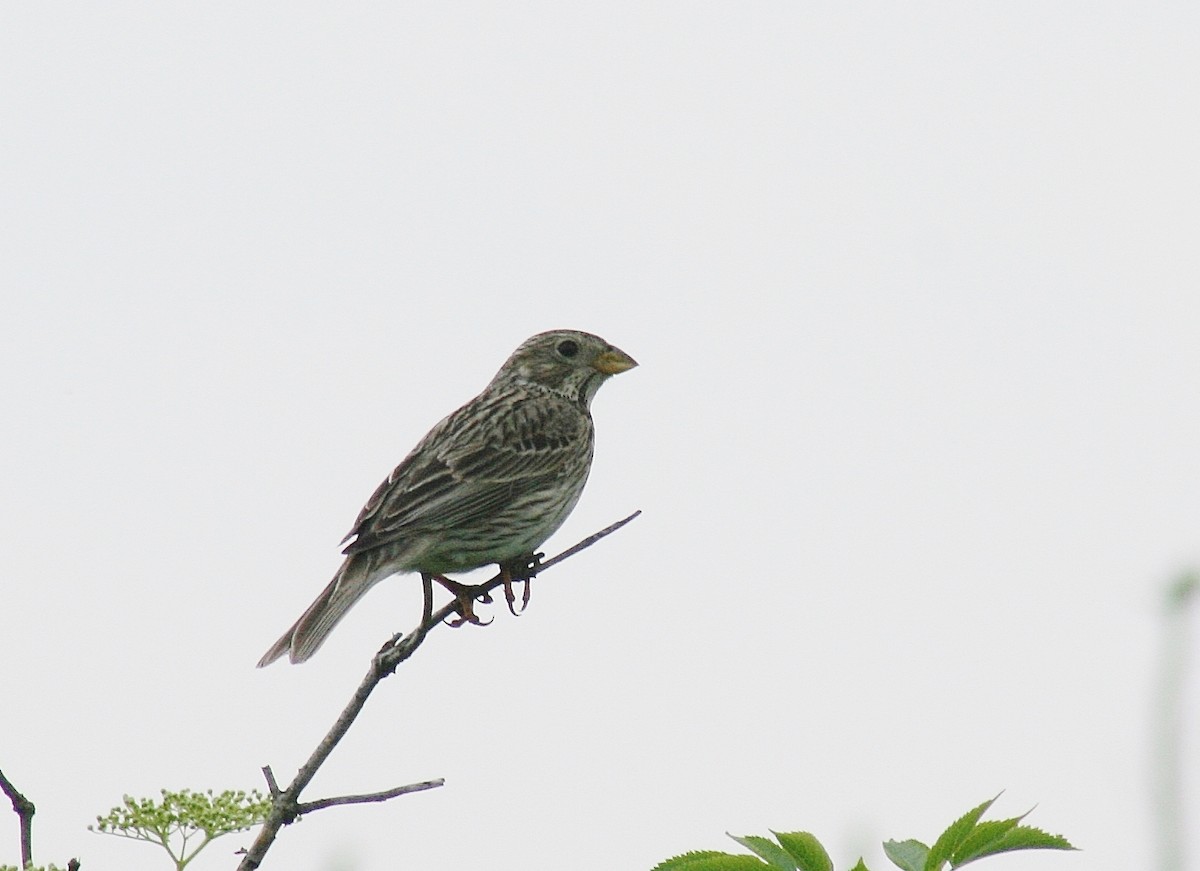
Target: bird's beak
[[613, 361]]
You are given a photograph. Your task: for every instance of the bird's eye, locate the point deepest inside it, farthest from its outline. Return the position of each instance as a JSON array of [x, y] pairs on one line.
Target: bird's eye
[[568, 348]]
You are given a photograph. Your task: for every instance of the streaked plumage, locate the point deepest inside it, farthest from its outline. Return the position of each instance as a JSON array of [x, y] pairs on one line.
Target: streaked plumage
[[488, 484]]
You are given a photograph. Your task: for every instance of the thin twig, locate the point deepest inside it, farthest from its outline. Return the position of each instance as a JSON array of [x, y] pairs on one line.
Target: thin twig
[[272, 785], [25, 810], [309, 806], [286, 806], [587, 542]]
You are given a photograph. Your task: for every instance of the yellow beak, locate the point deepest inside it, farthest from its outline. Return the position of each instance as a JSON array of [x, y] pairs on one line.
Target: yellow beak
[[613, 361]]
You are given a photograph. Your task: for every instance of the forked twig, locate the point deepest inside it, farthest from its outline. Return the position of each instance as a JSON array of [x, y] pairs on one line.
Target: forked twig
[[24, 810], [286, 805]]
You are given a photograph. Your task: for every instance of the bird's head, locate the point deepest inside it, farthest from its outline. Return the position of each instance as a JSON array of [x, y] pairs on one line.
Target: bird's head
[[568, 362]]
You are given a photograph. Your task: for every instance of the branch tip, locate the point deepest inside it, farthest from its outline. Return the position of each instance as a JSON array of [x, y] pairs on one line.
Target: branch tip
[[272, 785], [365, 798]]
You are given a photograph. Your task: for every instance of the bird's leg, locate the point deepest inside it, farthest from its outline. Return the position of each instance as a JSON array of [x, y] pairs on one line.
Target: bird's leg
[[523, 570], [465, 595]]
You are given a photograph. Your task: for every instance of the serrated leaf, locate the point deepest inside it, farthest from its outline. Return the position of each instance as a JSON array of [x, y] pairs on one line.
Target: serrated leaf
[[806, 850], [948, 841], [711, 860], [860, 865], [684, 858], [981, 839], [775, 855], [1019, 838], [909, 855]]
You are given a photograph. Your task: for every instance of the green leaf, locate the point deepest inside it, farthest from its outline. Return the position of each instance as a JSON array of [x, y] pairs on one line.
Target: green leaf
[[860, 865], [1016, 838], [710, 860], [806, 850], [775, 855], [948, 841], [981, 840], [909, 855]]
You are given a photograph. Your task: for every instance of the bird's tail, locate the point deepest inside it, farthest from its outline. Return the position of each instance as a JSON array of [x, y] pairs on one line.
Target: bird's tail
[[357, 575]]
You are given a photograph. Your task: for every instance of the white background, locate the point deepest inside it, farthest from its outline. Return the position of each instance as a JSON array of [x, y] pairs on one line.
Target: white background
[[916, 293]]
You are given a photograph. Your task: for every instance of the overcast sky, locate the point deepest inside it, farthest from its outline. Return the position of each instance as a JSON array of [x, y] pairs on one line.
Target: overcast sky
[[915, 290]]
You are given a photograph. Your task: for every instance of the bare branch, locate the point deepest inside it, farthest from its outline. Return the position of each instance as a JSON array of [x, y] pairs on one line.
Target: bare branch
[[272, 785], [587, 542], [24, 810], [286, 804], [309, 806]]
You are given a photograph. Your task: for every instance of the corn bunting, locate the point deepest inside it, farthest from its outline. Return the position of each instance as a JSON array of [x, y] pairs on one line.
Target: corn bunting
[[488, 484]]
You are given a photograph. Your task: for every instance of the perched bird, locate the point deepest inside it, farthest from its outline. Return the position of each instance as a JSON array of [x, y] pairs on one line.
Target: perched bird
[[488, 484]]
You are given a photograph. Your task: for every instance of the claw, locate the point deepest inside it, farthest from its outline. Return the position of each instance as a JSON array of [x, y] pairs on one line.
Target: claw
[[522, 571], [509, 596], [465, 597], [469, 617]]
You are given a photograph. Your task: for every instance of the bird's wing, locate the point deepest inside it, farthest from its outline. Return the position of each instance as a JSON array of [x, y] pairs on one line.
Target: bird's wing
[[472, 464]]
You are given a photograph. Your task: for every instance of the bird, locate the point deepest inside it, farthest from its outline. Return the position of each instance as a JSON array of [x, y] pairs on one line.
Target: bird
[[488, 484]]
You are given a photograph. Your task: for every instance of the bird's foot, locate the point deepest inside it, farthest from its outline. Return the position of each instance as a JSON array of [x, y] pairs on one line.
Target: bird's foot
[[465, 596], [524, 571]]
